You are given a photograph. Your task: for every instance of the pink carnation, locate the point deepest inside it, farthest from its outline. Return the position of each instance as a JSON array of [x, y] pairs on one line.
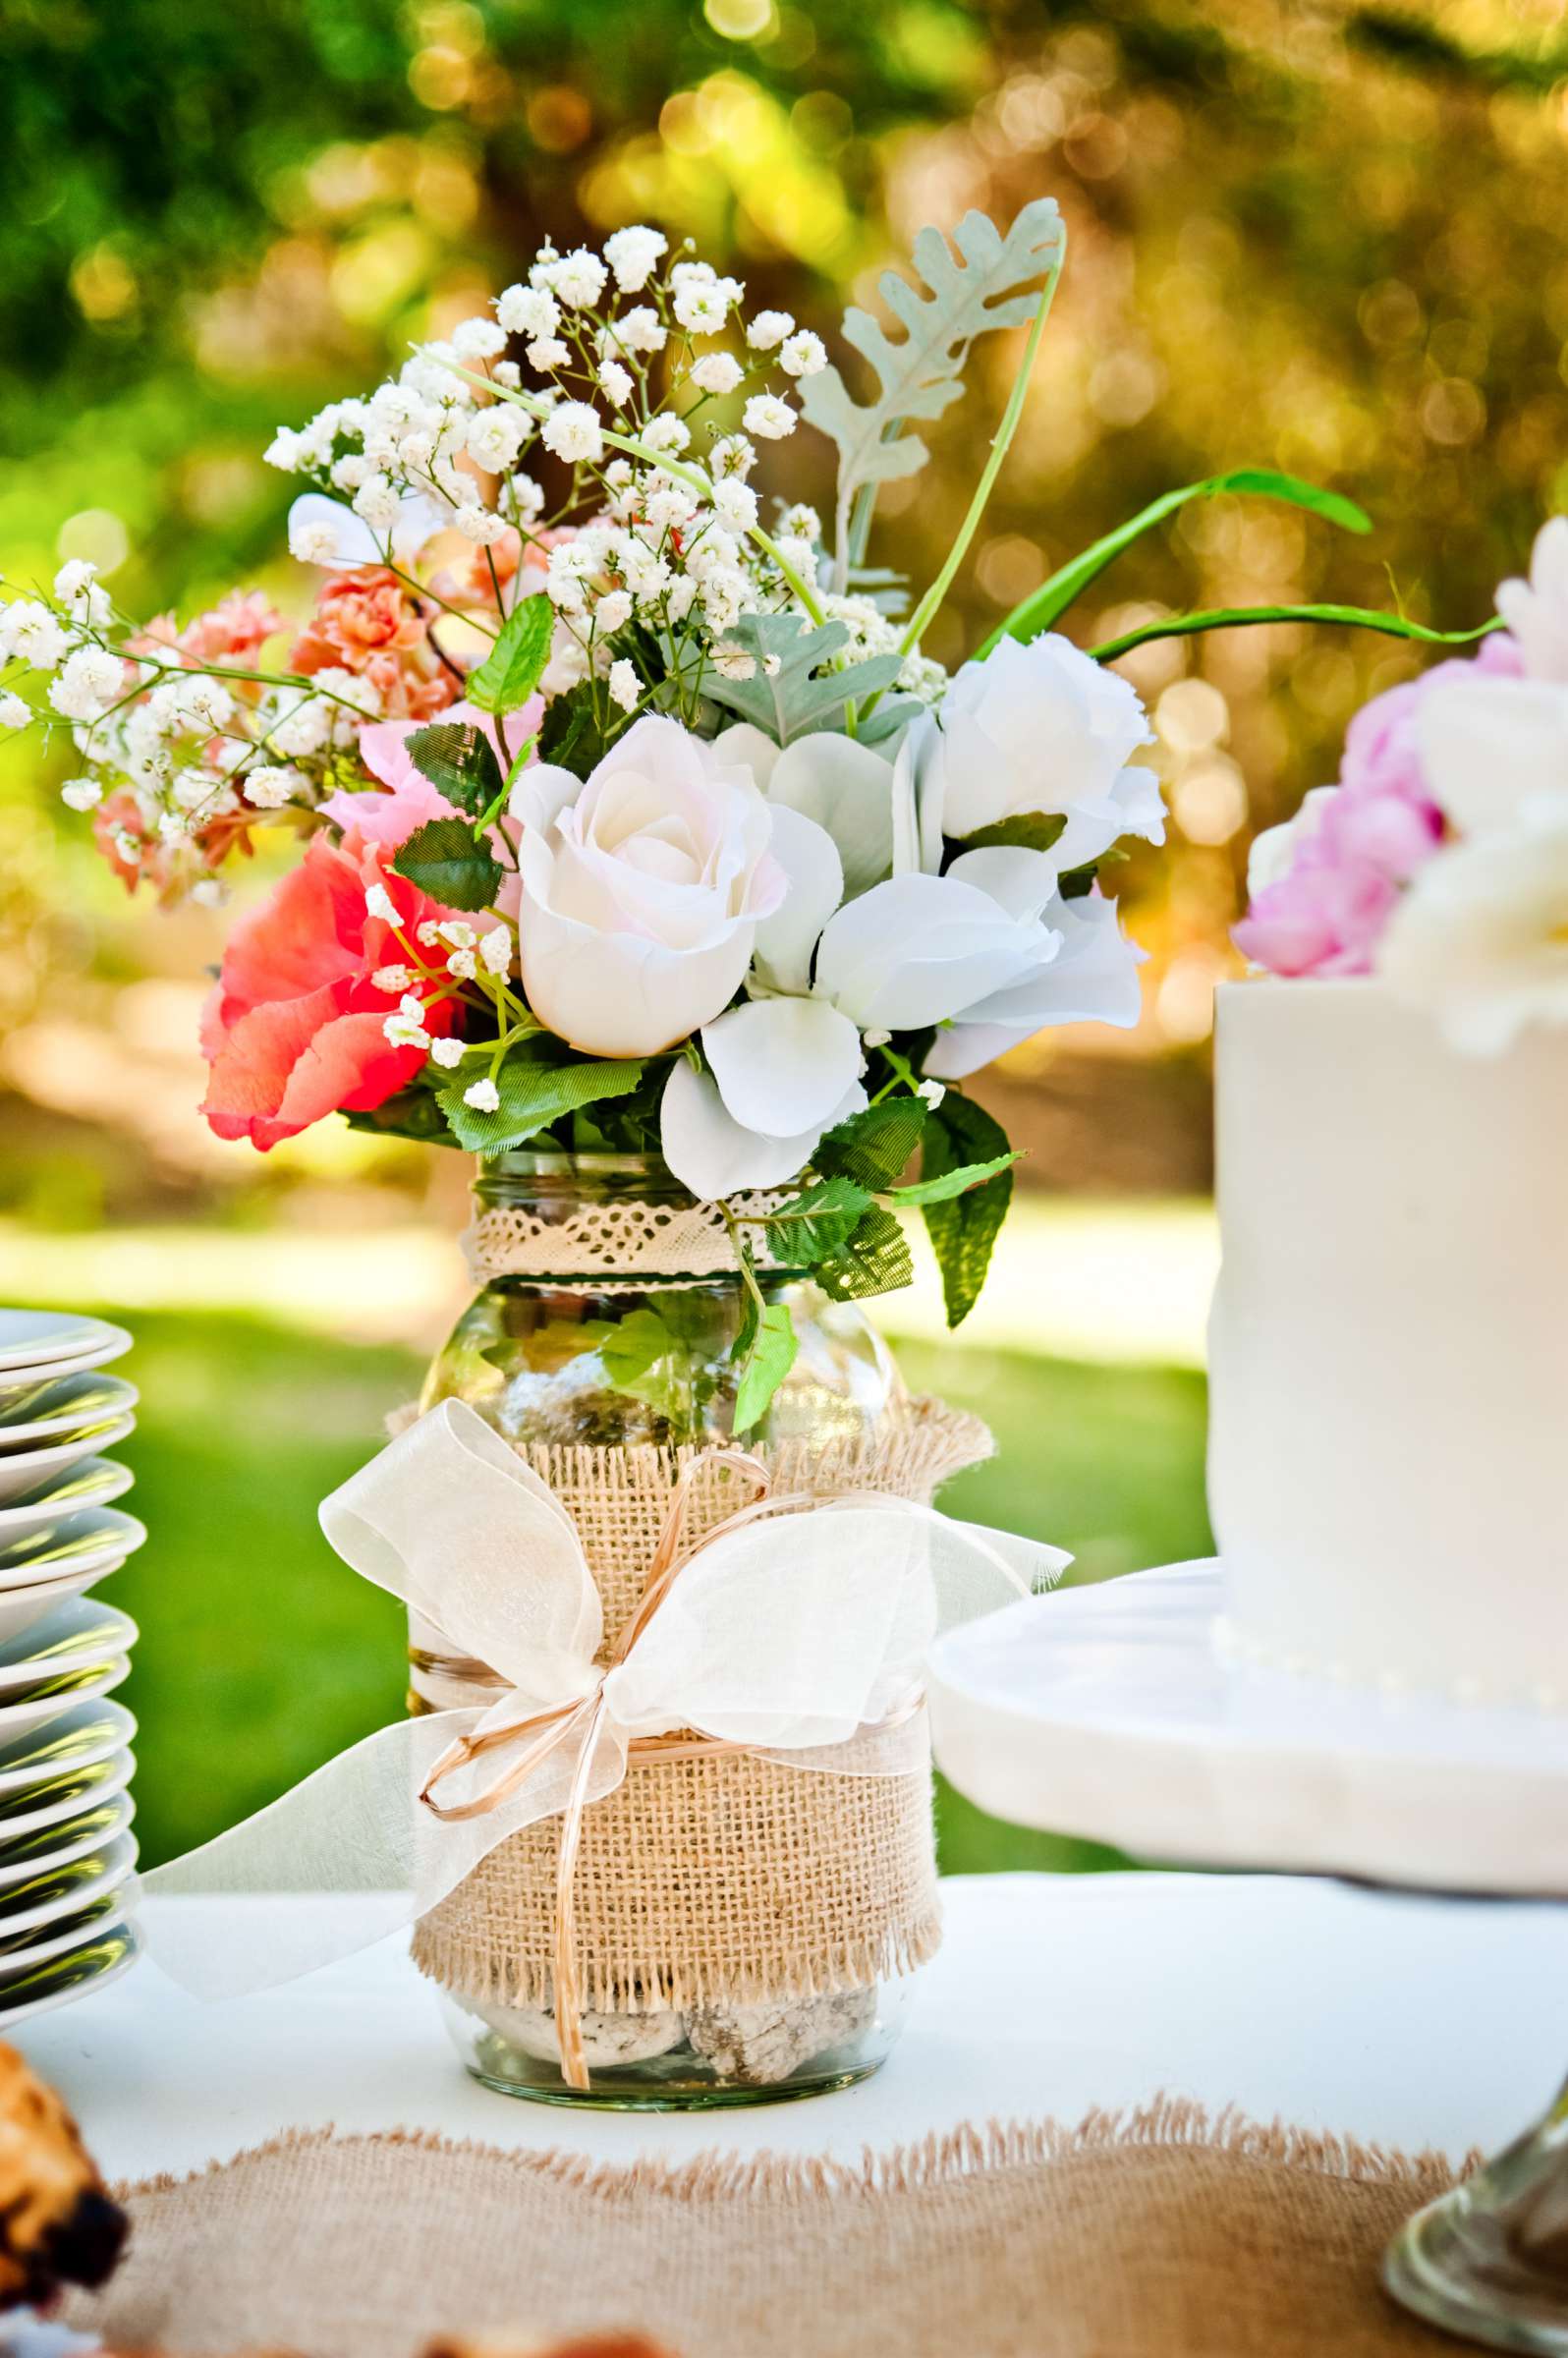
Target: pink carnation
[[1352, 855], [389, 818]]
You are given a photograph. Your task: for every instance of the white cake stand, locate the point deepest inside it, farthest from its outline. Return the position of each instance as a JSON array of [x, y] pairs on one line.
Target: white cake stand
[[1112, 1712]]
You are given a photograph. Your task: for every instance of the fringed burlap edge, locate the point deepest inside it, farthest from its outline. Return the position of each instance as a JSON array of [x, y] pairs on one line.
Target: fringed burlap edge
[[1167, 2122]]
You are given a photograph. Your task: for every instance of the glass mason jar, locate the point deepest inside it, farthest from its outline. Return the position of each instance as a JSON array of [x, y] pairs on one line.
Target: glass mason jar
[[572, 1354]]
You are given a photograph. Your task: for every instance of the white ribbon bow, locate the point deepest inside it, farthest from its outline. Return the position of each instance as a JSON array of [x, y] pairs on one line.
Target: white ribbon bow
[[797, 1628]]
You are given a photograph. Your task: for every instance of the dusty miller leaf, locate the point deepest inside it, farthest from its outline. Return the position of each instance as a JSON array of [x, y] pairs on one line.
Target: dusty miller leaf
[[798, 697], [922, 376]]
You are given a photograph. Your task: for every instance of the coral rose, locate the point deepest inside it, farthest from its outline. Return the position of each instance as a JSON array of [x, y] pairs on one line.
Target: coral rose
[[293, 1029]]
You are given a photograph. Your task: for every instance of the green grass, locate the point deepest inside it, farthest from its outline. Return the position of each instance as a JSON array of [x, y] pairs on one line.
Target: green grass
[[262, 1655]]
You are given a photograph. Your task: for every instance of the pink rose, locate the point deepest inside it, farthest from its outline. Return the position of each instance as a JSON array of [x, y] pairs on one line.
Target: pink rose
[[293, 1029]]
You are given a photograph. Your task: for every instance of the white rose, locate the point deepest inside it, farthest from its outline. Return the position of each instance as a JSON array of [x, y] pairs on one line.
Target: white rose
[[641, 890], [1042, 727]]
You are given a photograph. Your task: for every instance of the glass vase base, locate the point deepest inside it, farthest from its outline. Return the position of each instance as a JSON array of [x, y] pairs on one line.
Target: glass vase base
[[1490, 2262], [692, 2098], [715, 2060]]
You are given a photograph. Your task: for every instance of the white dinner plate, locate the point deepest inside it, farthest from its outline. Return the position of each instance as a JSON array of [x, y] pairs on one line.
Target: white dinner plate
[[87, 1733], [40, 1988], [58, 1693], [80, 1543], [21, 1609], [30, 1338], [100, 1918], [63, 1845], [56, 1891], [23, 1471], [92, 1481], [78, 1632], [65, 1796], [54, 1411]]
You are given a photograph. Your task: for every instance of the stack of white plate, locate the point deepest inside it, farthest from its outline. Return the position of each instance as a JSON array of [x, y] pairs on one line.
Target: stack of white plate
[[67, 1852]]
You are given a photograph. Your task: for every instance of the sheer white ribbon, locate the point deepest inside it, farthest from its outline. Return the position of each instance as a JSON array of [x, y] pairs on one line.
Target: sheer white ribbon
[[797, 1629]]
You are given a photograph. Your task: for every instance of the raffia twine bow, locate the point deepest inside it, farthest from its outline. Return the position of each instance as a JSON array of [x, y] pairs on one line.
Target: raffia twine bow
[[796, 1629]]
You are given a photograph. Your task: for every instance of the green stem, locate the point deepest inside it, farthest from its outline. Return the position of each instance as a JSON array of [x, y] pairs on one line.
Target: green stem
[[1226, 618], [930, 603]]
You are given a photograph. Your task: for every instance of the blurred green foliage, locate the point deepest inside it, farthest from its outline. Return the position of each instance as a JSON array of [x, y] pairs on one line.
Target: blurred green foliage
[[1323, 239]]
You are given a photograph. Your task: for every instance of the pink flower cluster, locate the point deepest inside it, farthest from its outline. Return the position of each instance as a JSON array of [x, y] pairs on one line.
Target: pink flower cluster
[[1353, 849]]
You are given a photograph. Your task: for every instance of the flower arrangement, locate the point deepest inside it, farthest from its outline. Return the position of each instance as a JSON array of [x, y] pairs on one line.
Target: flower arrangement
[[631, 819], [1439, 861]]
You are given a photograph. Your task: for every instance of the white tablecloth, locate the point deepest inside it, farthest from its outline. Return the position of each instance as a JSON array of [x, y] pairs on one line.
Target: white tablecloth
[[1413, 2021]]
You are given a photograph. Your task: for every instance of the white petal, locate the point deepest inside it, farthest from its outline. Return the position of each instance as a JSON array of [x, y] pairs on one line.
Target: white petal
[[745, 747], [809, 858], [1490, 745], [1023, 881], [709, 1151], [1091, 977], [917, 799], [1138, 796], [782, 1065], [353, 541], [847, 789], [915, 950], [420, 515], [618, 994]]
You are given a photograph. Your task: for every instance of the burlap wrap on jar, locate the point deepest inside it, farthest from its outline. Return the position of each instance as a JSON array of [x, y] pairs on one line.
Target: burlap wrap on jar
[[718, 1880]]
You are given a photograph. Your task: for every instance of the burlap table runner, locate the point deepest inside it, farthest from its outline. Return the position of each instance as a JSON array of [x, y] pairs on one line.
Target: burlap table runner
[[1158, 2236]]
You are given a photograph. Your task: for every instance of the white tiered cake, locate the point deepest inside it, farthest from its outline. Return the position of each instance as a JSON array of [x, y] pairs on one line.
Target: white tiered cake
[[1388, 1441]]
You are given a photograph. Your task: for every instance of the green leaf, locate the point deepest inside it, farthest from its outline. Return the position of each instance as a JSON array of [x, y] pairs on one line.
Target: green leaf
[[533, 1096], [766, 1351], [1052, 598], [992, 282], [570, 735], [411, 1113], [1028, 830], [444, 861], [460, 760], [512, 669], [1227, 618], [872, 1148], [963, 1228], [817, 1222], [645, 1357], [797, 696], [875, 1261], [956, 1182]]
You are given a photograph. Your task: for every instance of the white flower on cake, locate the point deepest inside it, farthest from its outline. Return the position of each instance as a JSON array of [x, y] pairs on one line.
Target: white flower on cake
[[1274, 852], [641, 890], [1491, 747], [1480, 940], [1037, 728], [1536, 611]]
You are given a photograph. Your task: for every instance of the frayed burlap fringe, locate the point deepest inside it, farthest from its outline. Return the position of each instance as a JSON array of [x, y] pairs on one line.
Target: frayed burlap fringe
[[1161, 2231], [723, 1879]]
